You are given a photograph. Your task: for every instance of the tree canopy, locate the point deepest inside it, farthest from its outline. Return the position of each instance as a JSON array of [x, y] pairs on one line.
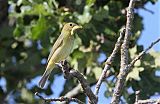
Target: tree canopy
[[29, 28]]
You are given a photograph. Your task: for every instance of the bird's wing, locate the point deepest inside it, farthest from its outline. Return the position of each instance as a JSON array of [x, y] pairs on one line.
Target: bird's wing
[[58, 43]]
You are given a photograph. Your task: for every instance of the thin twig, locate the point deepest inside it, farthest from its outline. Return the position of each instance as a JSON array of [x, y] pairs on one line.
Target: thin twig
[[128, 68], [61, 99], [150, 11], [124, 55], [71, 73], [147, 101], [109, 61], [72, 93], [144, 52], [137, 97]]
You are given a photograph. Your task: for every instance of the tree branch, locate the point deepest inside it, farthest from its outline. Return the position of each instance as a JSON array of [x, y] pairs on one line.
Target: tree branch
[[70, 73], [122, 75], [147, 101], [72, 93], [61, 99], [125, 45], [124, 55], [109, 61]]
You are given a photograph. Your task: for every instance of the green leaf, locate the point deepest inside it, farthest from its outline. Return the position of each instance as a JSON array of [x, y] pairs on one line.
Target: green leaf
[[26, 95], [38, 9], [78, 61], [18, 31], [40, 28], [86, 16], [97, 72], [90, 2], [101, 14], [77, 42], [133, 51], [156, 56], [109, 31], [134, 74], [147, 60]]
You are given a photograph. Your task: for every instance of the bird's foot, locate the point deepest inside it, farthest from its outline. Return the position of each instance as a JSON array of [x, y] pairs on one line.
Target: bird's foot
[[59, 65]]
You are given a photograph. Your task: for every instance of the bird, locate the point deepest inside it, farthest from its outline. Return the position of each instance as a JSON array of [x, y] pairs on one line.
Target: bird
[[60, 50]]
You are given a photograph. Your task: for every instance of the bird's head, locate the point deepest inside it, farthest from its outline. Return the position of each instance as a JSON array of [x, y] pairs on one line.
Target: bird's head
[[71, 27]]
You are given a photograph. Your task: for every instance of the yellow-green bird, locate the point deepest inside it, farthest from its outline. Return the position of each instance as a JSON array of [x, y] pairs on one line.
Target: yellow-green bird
[[60, 50]]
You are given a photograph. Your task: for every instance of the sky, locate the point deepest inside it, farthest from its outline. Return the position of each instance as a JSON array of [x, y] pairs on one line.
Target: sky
[[150, 33], [151, 25]]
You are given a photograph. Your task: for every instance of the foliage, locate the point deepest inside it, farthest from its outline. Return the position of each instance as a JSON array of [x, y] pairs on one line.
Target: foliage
[[32, 27]]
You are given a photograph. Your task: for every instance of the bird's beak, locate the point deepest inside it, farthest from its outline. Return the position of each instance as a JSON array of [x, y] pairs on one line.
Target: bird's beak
[[75, 28]]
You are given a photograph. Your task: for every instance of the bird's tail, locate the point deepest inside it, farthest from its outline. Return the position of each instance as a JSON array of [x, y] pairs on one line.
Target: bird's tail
[[44, 78]]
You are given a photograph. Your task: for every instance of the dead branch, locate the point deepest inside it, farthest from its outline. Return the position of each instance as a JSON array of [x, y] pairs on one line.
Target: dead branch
[[61, 99], [71, 73], [124, 55], [109, 61]]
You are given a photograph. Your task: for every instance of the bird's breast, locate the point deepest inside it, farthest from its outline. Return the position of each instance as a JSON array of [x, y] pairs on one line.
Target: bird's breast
[[67, 46]]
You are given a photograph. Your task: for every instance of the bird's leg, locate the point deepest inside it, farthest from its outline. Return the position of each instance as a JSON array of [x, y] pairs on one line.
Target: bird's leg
[[59, 65], [65, 66], [64, 62]]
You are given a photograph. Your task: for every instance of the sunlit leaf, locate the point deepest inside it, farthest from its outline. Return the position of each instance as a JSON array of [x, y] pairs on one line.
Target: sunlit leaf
[[26, 95], [90, 2], [97, 71], [134, 74]]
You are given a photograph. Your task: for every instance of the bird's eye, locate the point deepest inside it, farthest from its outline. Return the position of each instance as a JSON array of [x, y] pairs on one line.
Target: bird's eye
[[70, 24]]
